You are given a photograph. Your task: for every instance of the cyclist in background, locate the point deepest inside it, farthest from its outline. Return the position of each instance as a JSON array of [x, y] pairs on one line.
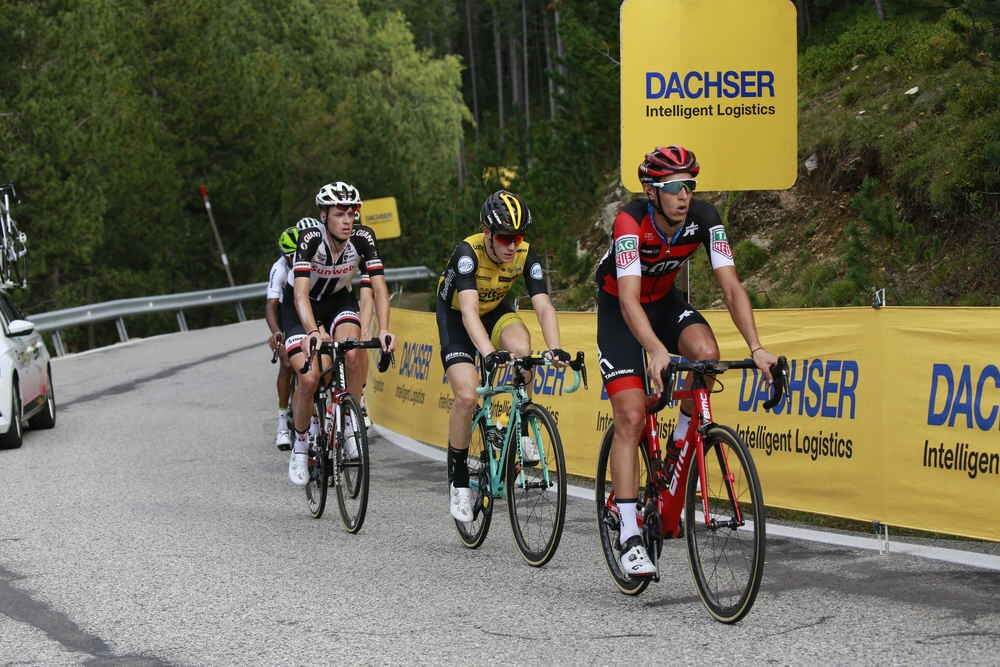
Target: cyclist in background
[[277, 280], [642, 318], [319, 305], [475, 315]]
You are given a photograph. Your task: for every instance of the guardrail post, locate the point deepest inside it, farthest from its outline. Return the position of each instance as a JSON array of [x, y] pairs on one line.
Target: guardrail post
[[122, 332], [182, 321], [58, 344], [240, 315]]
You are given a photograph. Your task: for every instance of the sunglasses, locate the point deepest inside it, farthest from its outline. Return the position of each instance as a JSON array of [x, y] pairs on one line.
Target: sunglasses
[[507, 239], [675, 187], [347, 207]]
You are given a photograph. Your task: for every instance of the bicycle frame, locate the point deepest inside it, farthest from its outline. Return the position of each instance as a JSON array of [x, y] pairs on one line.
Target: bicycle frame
[[519, 398]]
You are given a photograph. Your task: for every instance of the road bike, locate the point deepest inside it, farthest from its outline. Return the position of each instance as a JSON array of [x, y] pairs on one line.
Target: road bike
[[535, 490], [722, 502], [338, 456], [13, 243]]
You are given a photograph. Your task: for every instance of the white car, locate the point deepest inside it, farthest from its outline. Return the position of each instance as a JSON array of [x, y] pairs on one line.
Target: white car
[[26, 393]]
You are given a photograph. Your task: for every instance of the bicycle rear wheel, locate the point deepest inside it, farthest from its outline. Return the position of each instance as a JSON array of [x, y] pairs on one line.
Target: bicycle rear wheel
[[608, 521], [319, 474], [352, 489], [726, 554], [474, 532], [536, 495]]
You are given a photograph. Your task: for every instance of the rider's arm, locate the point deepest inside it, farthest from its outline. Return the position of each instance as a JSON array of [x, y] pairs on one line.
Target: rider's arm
[[309, 242], [271, 315], [366, 303], [380, 292], [468, 303], [534, 278], [547, 320]]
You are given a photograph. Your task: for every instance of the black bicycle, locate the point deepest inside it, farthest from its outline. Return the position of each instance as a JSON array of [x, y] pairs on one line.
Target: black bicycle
[[339, 455], [13, 243]]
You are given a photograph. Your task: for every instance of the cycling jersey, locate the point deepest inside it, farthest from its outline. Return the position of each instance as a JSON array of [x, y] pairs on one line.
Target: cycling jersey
[[277, 279], [639, 248], [330, 272], [471, 268]]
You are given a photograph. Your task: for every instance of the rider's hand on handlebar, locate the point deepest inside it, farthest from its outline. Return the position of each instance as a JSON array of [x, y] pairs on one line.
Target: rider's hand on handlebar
[[656, 363], [275, 341], [764, 360], [388, 341], [312, 341], [495, 358], [557, 357]]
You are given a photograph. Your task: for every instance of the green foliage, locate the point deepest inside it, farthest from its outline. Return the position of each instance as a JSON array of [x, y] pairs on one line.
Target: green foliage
[[750, 256], [113, 113]]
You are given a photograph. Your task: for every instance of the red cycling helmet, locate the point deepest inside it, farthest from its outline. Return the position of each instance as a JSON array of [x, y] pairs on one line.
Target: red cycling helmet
[[666, 161]]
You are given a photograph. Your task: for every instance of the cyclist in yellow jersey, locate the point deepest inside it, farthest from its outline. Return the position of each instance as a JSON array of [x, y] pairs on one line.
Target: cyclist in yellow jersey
[[475, 315]]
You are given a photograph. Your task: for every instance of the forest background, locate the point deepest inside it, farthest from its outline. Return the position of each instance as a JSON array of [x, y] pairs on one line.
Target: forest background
[[113, 112]]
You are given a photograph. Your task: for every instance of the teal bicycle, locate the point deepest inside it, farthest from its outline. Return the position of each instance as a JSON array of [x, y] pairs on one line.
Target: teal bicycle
[[520, 459]]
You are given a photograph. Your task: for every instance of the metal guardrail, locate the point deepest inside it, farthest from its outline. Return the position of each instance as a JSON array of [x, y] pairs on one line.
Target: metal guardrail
[[57, 320]]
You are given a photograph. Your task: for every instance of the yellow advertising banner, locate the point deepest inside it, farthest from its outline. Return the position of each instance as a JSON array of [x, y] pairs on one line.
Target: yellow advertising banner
[[381, 215], [718, 77], [890, 414]]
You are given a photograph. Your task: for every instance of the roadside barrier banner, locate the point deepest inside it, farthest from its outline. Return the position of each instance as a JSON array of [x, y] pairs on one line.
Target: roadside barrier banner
[[890, 415]]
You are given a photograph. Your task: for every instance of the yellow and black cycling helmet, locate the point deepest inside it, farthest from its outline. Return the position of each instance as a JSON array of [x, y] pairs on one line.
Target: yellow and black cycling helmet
[[505, 213]]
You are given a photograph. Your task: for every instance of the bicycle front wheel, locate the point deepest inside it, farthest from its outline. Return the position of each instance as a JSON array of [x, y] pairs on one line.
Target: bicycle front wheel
[[608, 519], [351, 459], [319, 475], [726, 548], [536, 493], [473, 533]]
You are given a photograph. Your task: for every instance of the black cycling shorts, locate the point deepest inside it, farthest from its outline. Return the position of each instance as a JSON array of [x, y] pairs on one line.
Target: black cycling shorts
[[330, 312], [456, 346], [622, 361]]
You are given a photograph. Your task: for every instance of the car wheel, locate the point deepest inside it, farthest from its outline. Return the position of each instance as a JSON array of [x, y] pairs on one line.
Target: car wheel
[[47, 417], [13, 437]]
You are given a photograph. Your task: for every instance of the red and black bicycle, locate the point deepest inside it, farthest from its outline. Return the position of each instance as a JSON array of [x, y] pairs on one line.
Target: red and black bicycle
[[722, 503]]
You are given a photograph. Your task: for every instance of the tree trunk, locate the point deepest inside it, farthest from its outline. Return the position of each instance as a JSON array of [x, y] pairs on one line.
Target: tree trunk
[[461, 163], [515, 71], [560, 52], [879, 10], [548, 65], [472, 65], [498, 56], [527, 79]]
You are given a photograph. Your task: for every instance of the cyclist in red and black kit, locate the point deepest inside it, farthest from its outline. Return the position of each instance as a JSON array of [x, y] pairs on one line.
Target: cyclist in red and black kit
[[642, 318]]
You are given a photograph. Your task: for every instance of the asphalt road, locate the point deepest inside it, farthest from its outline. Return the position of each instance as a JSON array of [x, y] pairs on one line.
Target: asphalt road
[[154, 525]]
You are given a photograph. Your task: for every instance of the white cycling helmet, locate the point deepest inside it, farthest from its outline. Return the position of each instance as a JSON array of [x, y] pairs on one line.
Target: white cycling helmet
[[307, 223], [339, 193]]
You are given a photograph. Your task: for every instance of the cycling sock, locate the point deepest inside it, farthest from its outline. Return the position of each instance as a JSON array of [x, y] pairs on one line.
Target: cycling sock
[[629, 527], [682, 426], [458, 469], [301, 442]]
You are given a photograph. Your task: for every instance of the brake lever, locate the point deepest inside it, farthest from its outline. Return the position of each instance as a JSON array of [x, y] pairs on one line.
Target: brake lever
[[779, 374]]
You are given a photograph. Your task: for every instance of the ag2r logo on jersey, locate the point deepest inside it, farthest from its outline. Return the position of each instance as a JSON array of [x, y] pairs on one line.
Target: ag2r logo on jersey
[[626, 251]]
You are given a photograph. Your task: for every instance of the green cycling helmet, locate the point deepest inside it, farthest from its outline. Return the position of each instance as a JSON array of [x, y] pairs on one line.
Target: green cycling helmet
[[288, 241]]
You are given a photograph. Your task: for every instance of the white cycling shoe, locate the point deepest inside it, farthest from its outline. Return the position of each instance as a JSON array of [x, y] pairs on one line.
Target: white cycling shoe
[[283, 440], [298, 469], [634, 559], [530, 450], [461, 504]]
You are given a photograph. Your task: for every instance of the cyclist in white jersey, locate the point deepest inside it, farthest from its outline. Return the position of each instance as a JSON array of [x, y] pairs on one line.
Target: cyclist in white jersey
[[277, 280], [320, 306]]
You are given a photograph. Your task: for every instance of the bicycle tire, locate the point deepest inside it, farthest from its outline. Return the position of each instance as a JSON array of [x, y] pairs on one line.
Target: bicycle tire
[[529, 497], [473, 533], [319, 471], [608, 526], [352, 491], [727, 562]]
